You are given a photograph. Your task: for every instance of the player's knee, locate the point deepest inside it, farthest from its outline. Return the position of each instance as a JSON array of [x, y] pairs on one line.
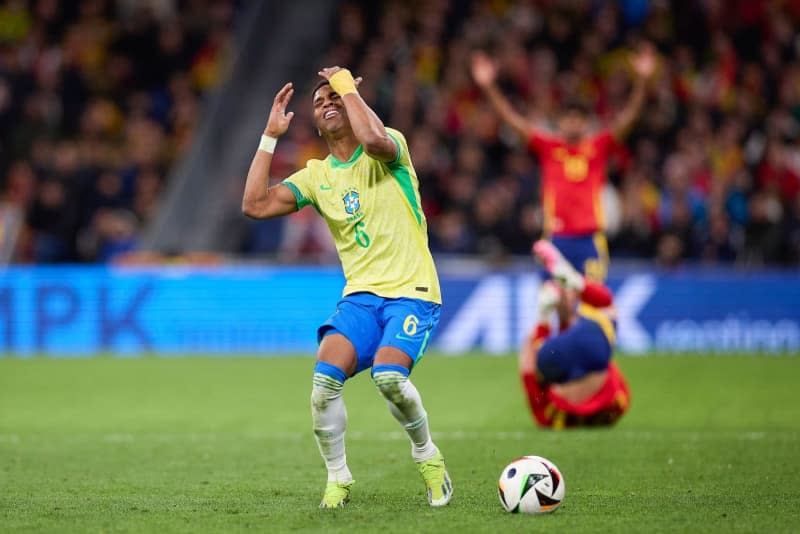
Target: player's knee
[[390, 382], [327, 385], [321, 397], [393, 392]]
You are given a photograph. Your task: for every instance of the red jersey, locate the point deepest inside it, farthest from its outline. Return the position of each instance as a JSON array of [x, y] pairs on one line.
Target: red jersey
[[603, 408], [573, 177]]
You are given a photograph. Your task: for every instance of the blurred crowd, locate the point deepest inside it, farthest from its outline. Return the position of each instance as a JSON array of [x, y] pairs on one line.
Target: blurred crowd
[[98, 99], [710, 174]]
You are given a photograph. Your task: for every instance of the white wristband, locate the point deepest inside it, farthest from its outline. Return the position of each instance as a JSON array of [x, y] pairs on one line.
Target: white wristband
[[267, 144]]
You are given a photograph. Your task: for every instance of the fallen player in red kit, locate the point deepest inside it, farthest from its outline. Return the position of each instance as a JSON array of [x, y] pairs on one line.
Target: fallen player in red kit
[[569, 378]]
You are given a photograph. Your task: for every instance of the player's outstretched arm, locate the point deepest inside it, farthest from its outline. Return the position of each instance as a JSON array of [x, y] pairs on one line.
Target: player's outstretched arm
[[644, 66], [261, 201], [367, 127], [484, 72]]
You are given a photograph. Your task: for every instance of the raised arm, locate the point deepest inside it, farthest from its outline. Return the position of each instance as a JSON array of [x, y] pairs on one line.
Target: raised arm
[[367, 127], [644, 66], [484, 72], [261, 201]]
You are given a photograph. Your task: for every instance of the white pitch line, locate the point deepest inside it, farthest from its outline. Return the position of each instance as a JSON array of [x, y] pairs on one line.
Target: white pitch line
[[119, 438], [475, 436]]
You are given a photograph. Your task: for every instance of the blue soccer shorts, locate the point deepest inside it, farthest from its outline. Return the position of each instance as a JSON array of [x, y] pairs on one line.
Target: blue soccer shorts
[[370, 322], [588, 254], [581, 349]]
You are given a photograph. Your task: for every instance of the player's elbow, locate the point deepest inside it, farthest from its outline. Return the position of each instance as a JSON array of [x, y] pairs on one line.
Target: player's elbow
[[252, 209], [380, 147], [619, 132], [374, 144], [247, 211]]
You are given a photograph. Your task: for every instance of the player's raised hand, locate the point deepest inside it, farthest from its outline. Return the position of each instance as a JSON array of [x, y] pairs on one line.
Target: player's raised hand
[[645, 62], [279, 120], [484, 70], [327, 72]]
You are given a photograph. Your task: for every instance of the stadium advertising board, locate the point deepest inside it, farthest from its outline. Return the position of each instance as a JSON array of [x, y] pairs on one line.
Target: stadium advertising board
[[172, 311]]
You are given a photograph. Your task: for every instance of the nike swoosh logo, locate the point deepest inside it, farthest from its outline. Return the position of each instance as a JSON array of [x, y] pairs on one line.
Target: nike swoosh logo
[[325, 187], [404, 338]]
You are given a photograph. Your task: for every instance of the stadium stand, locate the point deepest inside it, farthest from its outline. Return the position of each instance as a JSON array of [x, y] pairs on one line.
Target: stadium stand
[[711, 174], [98, 100]]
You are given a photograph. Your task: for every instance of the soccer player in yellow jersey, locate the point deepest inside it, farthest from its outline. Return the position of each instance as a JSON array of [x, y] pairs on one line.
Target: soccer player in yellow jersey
[[367, 191]]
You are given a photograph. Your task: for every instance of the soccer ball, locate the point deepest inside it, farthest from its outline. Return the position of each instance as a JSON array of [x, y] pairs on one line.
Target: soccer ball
[[531, 485]]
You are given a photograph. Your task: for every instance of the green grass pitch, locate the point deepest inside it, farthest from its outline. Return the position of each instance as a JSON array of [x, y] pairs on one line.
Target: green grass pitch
[[711, 444]]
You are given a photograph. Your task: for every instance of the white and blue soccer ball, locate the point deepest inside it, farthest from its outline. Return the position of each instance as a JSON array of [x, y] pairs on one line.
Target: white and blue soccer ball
[[531, 485]]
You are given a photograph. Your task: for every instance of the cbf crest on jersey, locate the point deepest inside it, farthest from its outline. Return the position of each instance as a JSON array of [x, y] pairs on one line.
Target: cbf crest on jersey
[[352, 202]]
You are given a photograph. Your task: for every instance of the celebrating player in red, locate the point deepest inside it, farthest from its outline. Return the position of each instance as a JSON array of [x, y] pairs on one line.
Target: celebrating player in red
[[569, 378], [573, 164]]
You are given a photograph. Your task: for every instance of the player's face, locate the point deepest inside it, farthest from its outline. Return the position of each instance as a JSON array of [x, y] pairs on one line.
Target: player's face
[[573, 125], [330, 115]]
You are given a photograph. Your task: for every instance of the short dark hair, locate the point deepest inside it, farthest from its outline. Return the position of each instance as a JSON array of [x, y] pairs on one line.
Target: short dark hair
[[577, 106], [317, 87]]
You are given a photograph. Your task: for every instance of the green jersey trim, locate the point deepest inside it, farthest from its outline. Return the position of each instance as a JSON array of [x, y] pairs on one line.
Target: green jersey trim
[[302, 201], [400, 173], [396, 160], [336, 164]]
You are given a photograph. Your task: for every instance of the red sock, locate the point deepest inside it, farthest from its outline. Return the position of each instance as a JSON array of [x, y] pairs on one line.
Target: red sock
[[596, 294], [542, 331], [532, 389], [537, 401], [529, 384]]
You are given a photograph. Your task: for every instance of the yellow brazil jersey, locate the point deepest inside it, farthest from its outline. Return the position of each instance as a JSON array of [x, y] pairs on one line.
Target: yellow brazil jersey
[[374, 214]]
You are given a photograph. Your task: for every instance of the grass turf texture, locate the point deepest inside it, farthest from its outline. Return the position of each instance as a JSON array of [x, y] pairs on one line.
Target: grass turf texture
[[203, 444]]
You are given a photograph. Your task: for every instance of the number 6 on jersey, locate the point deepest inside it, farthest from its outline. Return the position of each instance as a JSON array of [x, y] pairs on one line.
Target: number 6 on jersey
[[362, 238]]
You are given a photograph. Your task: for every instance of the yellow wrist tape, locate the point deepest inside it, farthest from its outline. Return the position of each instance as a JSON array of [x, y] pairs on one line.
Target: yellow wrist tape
[[342, 82]]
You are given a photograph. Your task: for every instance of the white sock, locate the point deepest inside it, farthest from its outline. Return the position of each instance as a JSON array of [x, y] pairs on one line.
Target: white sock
[[330, 419], [547, 300], [405, 404]]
